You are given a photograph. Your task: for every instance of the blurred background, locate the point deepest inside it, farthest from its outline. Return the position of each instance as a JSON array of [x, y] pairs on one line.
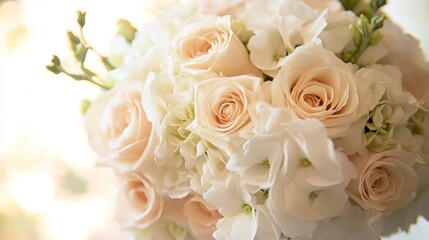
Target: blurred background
[[50, 186]]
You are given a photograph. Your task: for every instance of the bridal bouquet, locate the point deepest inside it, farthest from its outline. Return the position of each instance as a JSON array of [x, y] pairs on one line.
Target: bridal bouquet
[[274, 119]]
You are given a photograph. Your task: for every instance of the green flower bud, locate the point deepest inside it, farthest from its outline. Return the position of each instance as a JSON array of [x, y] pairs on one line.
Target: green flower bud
[[81, 16], [378, 21], [347, 56], [84, 105], [376, 4], [356, 34]]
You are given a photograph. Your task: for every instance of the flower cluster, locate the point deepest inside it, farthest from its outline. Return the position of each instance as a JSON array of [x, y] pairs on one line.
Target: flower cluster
[[278, 119]]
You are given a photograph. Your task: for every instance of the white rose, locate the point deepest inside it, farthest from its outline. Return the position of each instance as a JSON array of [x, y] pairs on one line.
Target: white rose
[[404, 52], [209, 44], [118, 129], [138, 204], [386, 182], [221, 108], [314, 83]]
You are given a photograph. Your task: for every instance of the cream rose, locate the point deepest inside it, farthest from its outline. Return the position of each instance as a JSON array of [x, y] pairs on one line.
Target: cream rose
[[201, 216], [314, 83], [117, 127], [221, 107], [138, 204], [386, 182], [209, 44]]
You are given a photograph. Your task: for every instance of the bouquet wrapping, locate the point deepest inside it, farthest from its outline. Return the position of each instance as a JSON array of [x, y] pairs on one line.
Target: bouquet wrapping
[[277, 119]]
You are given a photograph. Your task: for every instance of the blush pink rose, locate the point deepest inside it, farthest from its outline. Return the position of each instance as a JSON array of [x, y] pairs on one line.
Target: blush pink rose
[[138, 204], [201, 216], [117, 126]]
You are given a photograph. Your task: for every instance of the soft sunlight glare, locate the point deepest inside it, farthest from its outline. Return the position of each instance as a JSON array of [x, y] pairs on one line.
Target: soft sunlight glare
[[33, 191], [78, 219]]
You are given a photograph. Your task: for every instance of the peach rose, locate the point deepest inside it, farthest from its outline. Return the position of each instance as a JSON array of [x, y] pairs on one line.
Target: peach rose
[[314, 83], [117, 127], [221, 107], [201, 216], [138, 204], [386, 182], [209, 44]]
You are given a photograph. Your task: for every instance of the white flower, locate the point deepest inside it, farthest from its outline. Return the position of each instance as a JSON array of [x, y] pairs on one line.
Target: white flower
[[310, 185], [352, 226], [239, 221], [267, 227], [390, 116], [403, 51], [314, 83], [214, 171], [257, 162], [268, 119], [336, 36], [157, 89], [209, 44], [149, 51], [295, 24]]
